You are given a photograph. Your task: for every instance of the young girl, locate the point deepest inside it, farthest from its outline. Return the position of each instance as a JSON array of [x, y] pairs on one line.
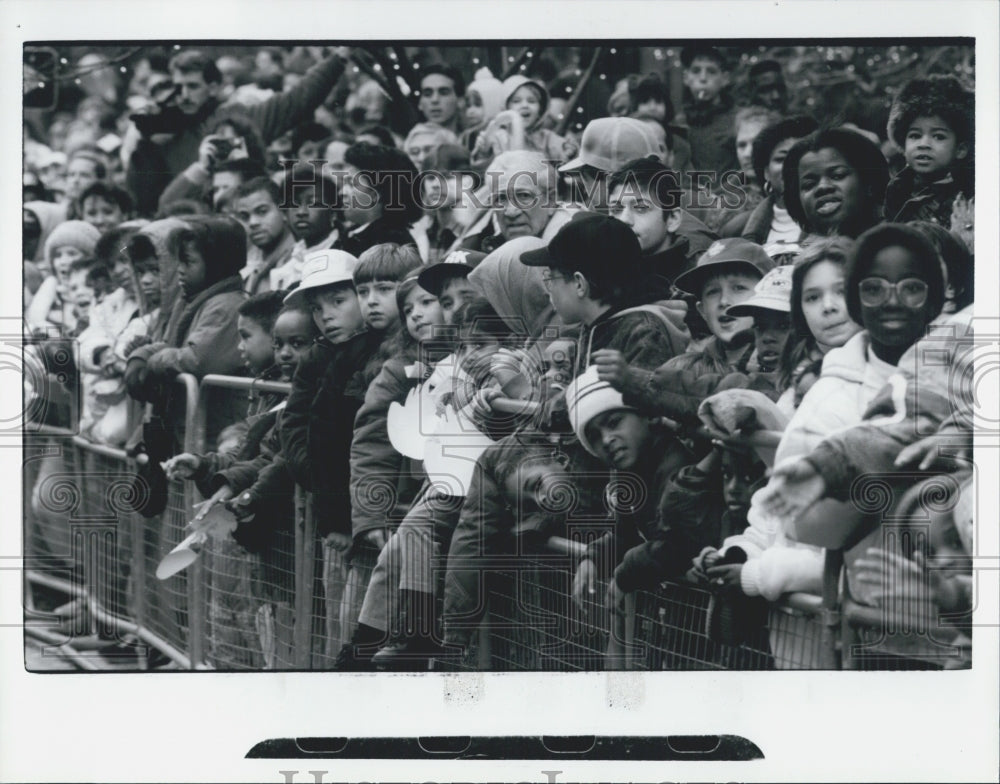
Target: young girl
[[820, 321], [484, 100], [520, 126], [834, 183], [894, 288], [52, 306]]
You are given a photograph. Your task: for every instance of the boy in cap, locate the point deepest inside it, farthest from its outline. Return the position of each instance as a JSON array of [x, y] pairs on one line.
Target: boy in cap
[[327, 391], [448, 280], [593, 266], [644, 542], [725, 277]]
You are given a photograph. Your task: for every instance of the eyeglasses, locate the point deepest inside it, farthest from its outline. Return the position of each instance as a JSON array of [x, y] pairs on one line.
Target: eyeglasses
[[548, 277], [911, 292]]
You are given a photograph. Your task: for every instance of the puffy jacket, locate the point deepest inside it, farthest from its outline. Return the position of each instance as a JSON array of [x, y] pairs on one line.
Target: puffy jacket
[[648, 335], [906, 201]]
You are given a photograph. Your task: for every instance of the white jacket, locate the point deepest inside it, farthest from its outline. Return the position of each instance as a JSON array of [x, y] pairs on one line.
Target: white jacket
[[851, 377]]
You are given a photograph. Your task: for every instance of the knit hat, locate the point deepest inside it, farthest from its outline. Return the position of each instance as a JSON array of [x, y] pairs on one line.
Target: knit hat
[[491, 91], [609, 143], [323, 268], [587, 398], [942, 96], [513, 83], [75, 233], [772, 292]]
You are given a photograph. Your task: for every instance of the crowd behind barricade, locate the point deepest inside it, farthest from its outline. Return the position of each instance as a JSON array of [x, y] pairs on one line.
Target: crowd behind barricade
[[518, 308]]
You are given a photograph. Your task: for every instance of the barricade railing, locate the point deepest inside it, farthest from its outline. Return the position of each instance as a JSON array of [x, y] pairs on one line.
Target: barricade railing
[[230, 610]]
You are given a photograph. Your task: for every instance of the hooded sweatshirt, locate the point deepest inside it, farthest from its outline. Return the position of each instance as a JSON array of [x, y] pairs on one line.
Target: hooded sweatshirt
[[536, 137], [491, 91]]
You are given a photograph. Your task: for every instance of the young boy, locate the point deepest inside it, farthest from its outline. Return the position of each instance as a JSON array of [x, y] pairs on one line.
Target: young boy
[[310, 201], [641, 454], [449, 280], [593, 265], [709, 109], [233, 641], [104, 205], [256, 206], [380, 270], [726, 276], [933, 121]]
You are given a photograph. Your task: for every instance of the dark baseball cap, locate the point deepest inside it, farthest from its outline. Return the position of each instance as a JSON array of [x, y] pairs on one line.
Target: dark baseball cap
[[597, 245], [458, 263], [736, 252]]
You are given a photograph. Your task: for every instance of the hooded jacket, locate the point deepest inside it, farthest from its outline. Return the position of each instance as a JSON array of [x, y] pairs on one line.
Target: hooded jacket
[[647, 334], [49, 216]]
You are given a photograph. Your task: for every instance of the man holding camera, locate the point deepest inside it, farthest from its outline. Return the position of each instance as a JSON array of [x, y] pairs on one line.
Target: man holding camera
[[171, 135]]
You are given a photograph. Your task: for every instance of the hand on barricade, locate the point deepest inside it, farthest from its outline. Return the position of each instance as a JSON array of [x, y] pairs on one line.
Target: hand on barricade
[[583, 583], [243, 507], [181, 466], [613, 596], [135, 342], [794, 487], [725, 576], [339, 542]]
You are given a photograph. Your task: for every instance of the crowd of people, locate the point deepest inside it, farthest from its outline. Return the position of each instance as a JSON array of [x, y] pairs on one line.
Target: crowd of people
[[706, 327]]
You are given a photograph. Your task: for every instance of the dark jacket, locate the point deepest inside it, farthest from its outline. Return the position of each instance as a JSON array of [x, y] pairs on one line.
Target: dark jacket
[[318, 425], [712, 135], [377, 232], [906, 200], [486, 536], [677, 393], [648, 335], [152, 166], [647, 544]]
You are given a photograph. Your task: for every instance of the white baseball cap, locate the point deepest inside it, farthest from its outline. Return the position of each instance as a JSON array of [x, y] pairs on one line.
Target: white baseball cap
[[323, 268]]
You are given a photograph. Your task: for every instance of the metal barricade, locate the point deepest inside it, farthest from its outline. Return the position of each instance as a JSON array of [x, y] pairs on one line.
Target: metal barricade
[[246, 600]]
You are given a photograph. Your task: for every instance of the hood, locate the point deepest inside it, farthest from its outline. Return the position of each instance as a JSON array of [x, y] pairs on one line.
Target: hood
[[516, 291], [74, 233], [512, 83], [49, 216], [163, 235], [491, 90]]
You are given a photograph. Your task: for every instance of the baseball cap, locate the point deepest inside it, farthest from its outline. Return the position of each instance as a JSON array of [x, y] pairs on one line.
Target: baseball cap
[[734, 251], [609, 143], [772, 292], [458, 262], [597, 245], [323, 268]]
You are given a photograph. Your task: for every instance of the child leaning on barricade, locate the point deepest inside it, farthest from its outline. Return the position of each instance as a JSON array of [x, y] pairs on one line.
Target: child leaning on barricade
[[253, 570], [648, 543], [384, 483]]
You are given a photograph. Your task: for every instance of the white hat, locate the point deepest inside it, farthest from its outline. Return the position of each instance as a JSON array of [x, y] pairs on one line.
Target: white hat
[[608, 143], [772, 292], [324, 268], [588, 397]]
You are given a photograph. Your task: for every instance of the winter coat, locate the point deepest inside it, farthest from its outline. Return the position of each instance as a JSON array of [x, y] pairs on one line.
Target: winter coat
[[906, 200], [317, 426], [383, 482], [852, 376], [711, 135], [648, 335], [650, 542], [152, 166], [377, 232]]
